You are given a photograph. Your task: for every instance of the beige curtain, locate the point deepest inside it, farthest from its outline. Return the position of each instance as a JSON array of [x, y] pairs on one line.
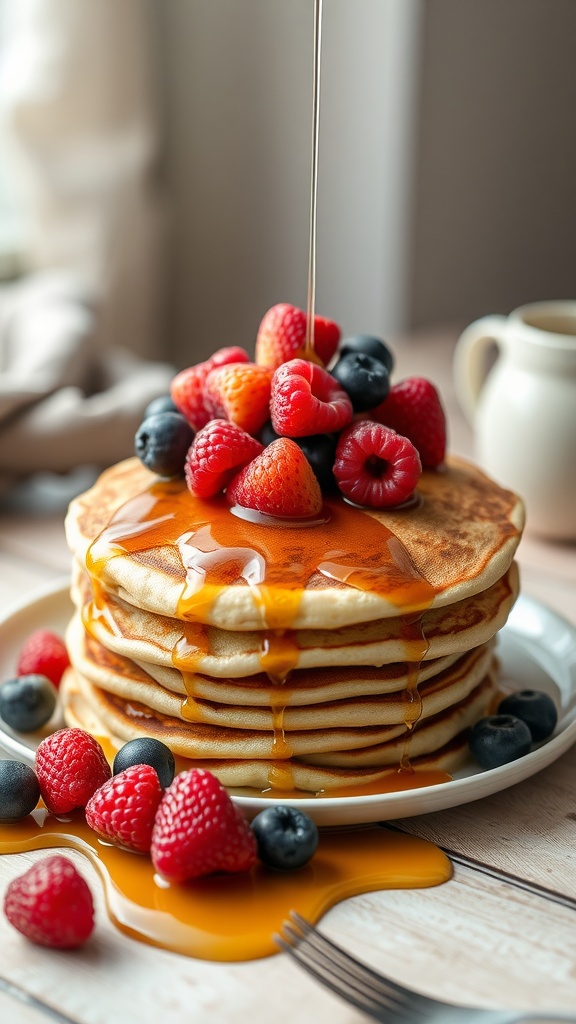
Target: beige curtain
[[79, 119]]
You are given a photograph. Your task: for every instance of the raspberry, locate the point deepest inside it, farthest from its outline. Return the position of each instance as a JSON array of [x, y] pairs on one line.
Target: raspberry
[[279, 482], [51, 904], [43, 653], [413, 409], [240, 393], [219, 451], [282, 336], [122, 811], [187, 387], [198, 830], [305, 399], [71, 766], [375, 466]]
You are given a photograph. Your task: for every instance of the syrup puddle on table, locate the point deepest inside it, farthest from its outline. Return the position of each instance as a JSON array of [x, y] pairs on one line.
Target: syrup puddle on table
[[233, 917]]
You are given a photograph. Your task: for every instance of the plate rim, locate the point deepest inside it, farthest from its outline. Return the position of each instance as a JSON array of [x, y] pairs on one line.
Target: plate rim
[[361, 809]]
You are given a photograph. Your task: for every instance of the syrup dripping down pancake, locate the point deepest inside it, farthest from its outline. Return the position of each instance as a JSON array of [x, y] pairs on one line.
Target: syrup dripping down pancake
[[157, 640], [162, 550], [437, 744], [435, 694]]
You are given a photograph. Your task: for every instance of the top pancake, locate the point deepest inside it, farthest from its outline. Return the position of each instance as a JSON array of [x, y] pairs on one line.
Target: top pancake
[[157, 547]]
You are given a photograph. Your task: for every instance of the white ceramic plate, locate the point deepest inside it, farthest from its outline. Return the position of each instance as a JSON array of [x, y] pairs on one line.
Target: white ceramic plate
[[537, 650]]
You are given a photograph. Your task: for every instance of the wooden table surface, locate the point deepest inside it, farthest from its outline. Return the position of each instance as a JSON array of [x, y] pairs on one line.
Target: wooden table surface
[[479, 938]]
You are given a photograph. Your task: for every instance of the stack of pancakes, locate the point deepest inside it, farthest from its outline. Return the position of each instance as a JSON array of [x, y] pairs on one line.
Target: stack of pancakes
[[312, 657]]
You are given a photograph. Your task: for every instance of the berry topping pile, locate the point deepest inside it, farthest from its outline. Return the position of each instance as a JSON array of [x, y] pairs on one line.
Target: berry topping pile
[[359, 434]]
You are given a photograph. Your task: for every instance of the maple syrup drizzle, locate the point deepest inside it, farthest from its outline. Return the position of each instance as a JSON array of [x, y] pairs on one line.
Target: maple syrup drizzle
[[219, 550], [309, 352], [233, 917]]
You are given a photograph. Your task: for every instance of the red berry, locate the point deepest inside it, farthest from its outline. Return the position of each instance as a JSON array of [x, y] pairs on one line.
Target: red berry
[[122, 811], [217, 453], [282, 336], [199, 830], [70, 766], [240, 393], [187, 387], [413, 408], [306, 399], [43, 653], [375, 466], [51, 904], [279, 482]]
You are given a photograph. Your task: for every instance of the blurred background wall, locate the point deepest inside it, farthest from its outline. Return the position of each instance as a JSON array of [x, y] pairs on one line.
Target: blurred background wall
[[447, 160]]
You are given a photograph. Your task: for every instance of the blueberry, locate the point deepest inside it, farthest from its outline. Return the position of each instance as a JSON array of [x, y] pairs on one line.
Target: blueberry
[[286, 838], [163, 403], [319, 449], [535, 708], [19, 791], [370, 346], [498, 739], [146, 751], [365, 379], [27, 702], [162, 441]]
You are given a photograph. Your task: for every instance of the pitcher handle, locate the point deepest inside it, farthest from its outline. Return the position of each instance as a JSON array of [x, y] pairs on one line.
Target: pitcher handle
[[469, 365]]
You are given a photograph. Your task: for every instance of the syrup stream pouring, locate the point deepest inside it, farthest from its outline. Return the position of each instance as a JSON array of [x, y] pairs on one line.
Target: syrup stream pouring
[[309, 345]]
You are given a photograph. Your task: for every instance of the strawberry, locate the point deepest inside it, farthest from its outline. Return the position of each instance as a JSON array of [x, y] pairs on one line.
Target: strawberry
[[122, 811], [187, 387], [51, 904], [71, 766], [199, 830], [305, 399], [282, 336], [278, 482], [217, 453], [43, 653], [413, 408], [239, 392], [375, 466]]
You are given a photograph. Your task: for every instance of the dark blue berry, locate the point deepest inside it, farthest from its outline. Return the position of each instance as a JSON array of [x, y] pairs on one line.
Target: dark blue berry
[[27, 702], [162, 441], [147, 751], [19, 791], [365, 379], [371, 346], [163, 403], [319, 449], [498, 739], [286, 837], [535, 708]]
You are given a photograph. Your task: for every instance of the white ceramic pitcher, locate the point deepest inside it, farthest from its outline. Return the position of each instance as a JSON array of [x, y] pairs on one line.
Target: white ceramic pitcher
[[523, 409]]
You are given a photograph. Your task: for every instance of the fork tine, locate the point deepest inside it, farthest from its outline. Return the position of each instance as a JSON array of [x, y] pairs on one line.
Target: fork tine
[[342, 973], [340, 977], [369, 978]]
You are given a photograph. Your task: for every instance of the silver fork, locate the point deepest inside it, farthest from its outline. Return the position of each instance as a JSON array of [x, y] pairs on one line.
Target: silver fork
[[377, 996]]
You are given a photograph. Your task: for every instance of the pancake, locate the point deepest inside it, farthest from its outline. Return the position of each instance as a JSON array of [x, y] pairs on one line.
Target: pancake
[[157, 547], [196, 648], [357, 710], [440, 743]]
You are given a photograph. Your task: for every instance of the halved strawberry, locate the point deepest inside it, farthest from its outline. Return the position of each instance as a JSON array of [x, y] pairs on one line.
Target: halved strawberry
[[413, 408], [278, 482], [187, 387], [282, 336], [239, 392]]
